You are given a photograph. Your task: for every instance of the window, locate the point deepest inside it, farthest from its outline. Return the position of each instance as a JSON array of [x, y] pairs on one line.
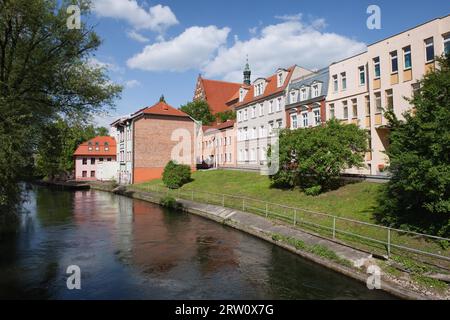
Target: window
[[90, 146], [254, 135], [109, 159], [429, 50], [344, 80], [92, 160], [394, 62], [262, 132], [229, 140], [335, 83], [92, 174], [293, 121], [261, 109], [345, 109], [279, 123], [415, 88], [254, 112], [315, 91], [245, 114], [305, 119], [252, 154], [85, 161], [241, 95], [303, 95], [280, 79], [378, 105], [278, 104], [270, 128], [376, 66], [84, 174], [271, 106], [100, 159], [316, 116], [362, 76], [246, 155], [367, 105], [259, 89], [292, 100], [263, 152], [407, 57], [106, 146], [355, 108], [245, 133], [447, 44], [389, 99], [332, 114], [97, 146], [239, 116]]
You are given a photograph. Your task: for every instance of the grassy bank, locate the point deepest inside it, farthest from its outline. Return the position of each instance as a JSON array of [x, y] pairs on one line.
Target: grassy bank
[[355, 201]]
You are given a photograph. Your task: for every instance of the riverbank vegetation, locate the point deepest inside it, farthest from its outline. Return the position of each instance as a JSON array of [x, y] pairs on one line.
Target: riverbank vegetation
[[45, 74]]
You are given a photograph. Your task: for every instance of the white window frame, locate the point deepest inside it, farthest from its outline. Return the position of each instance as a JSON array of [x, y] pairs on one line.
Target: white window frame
[[343, 81], [394, 56], [362, 70], [294, 122], [316, 113], [335, 83], [376, 66], [429, 44], [253, 111], [407, 51], [305, 122], [261, 109]]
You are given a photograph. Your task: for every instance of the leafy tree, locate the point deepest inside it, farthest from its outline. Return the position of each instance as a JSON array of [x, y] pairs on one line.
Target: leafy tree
[[313, 158], [176, 175], [199, 110], [418, 193], [44, 73], [226, 115]]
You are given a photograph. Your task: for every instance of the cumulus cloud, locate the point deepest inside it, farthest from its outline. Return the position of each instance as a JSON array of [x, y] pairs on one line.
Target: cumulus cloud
[[132, 83], [156, 18], [280, 45], [110, 66], [137, 36], [189, 50]]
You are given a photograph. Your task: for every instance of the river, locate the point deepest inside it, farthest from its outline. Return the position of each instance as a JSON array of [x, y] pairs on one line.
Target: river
[[131, 249]]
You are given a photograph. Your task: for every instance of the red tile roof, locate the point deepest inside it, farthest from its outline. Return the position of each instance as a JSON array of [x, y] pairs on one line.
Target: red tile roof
[[162, 108], [83, 149], [270, 89], [223, 125], [218, 93]]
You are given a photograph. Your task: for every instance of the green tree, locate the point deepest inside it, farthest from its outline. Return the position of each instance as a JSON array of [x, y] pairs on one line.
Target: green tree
[[199, 110], [176, 175], [313, 158], [226, 115], [418, 193], [44, 73]]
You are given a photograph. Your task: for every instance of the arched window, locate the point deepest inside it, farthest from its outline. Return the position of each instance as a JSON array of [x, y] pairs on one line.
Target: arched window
[[106, 146]]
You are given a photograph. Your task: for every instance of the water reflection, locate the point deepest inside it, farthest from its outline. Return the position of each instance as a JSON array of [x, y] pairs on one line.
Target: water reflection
[[132, 249]]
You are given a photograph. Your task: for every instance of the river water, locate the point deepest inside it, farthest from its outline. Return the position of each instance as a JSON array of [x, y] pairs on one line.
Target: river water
[[131, 249]]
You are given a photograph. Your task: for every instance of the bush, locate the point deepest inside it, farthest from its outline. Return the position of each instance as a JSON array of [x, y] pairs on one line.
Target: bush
[[176, 175], [313, 158], [170, 202]]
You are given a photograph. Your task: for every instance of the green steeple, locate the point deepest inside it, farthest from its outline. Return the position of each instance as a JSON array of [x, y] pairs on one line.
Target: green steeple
[[247, 73]]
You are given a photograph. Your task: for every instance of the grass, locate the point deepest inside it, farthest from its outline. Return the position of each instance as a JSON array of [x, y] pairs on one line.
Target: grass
[[355, 201]]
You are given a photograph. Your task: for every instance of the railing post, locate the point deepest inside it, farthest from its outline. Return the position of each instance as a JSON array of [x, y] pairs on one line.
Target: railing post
[[192, 195], [389, 243], [243, 204], [295, 217], [334, 227], [223, 200], [267, 209]]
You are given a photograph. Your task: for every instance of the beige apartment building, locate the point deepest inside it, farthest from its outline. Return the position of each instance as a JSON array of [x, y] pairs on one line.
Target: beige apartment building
[[362, 87]]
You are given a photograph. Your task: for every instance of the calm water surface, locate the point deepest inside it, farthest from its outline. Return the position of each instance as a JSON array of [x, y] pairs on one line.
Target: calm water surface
[[130, 249]]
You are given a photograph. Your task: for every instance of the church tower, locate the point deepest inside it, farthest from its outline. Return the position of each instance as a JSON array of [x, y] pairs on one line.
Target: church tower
[[247, 73]]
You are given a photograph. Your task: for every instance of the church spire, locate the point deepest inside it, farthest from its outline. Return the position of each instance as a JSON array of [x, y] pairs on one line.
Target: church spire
[[247, 73]]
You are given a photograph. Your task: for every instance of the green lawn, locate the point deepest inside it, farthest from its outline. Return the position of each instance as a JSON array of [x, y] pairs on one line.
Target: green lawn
[[355, 201]]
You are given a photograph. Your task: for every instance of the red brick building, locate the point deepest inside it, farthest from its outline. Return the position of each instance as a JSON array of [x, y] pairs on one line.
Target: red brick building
[[151, 137]]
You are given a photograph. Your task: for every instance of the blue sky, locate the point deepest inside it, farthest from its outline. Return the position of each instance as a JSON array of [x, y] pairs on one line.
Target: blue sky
[[160, 47]]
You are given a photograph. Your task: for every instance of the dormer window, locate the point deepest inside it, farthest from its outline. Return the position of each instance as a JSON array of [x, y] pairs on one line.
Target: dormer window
[[106, 146], [90, 146], [280, 79], [97, 146], [293, 97], [241, 94], [303, 93], [315, 90], [259, 87]]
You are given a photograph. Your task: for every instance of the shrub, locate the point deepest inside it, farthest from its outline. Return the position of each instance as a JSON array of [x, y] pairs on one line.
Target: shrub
[[176, 175], [313, 158], [170, 202]]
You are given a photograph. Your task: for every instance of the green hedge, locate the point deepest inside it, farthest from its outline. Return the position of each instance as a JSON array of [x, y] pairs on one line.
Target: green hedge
[[176, 175]]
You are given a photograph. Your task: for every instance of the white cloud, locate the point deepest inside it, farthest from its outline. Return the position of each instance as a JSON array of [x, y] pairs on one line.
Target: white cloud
[[110, 66], [156, 18], [137, 36], [281, 45], [290, 17], [132, 83], [191, 49]]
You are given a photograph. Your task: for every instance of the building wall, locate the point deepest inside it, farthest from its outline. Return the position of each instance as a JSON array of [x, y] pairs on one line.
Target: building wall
[[153, 145], [124, 138], [80, 167], [217, 153]]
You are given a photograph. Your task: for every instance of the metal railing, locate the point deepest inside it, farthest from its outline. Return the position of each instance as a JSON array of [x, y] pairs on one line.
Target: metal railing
[[364, 235]]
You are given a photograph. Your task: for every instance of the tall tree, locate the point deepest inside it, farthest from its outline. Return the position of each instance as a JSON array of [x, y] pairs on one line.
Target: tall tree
[[44, 73], [418, 193], [199, 110]]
